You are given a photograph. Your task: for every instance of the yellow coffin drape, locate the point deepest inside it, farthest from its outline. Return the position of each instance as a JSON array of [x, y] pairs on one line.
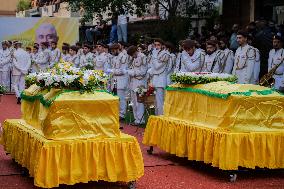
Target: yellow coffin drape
[[222, 149], [236, 113], [73, 115], [53, 162], [241, 130]]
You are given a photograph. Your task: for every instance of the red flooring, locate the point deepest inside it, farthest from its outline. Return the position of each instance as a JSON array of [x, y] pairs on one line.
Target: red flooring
[[162, 170]]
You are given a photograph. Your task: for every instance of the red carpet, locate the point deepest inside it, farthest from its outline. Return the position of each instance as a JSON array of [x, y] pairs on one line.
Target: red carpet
[[162, 171]]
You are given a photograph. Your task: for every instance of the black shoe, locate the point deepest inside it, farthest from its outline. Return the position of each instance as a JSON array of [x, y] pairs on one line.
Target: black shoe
[[18, 100], [121, 128]]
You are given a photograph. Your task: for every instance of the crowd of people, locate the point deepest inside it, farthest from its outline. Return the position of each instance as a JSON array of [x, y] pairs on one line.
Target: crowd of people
[[133, 66], [118, 23], [42, 3]]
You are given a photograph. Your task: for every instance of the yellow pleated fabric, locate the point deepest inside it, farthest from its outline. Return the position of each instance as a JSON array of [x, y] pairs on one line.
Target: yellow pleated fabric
[[241, 130], [73, 115], [54, 162], [218, 147]]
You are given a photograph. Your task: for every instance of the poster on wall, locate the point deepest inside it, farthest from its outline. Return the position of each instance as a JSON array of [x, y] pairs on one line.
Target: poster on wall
[[37, 30]]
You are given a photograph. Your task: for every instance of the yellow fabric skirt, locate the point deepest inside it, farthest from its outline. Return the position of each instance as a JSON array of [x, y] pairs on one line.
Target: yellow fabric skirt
[[54, 162], [216, 146]]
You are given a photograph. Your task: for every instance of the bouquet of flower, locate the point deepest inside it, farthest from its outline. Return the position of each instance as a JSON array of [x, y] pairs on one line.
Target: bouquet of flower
[[140, 91], [191, 78], [65, 76]]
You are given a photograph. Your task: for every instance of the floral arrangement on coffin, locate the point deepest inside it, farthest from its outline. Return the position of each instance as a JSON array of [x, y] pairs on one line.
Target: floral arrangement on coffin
[[65, 76], [193, 78]]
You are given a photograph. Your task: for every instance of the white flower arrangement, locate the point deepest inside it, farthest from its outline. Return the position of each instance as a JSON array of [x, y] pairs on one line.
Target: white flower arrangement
[[64, 75], [192, 78]]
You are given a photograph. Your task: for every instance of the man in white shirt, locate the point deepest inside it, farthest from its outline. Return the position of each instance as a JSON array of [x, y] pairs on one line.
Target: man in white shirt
[[5, 64], [158, 72], [213, 58], [55, 54], [101, 59], [190, 59], [137, 74], [276, 57], [21, 65], [229, 56], [34, 57], [65, 56], [43, 59], [122, 26], [74, 58], [87, 58], [244, 60], [120, 76]]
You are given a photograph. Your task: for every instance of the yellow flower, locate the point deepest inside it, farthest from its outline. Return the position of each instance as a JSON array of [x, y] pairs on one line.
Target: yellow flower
[[91, 77], [81, 80]]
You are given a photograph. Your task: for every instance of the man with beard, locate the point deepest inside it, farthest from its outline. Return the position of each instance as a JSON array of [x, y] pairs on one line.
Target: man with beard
[[276, 57], [228, 56], [137, 73], [120, 77], [43, 59], [244, 60], [213, 58], [55, 54], [21, 65], [87, 57], [34, 57], [5, 63], [65, 56]]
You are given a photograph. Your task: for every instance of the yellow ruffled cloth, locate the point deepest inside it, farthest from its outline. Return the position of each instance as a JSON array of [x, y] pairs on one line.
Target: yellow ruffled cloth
[[76, 139], [68, 162], [217, 147], [240, 130]]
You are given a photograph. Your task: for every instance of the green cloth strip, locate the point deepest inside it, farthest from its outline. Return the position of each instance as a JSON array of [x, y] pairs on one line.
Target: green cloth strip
[[47, 103], [219, 95]]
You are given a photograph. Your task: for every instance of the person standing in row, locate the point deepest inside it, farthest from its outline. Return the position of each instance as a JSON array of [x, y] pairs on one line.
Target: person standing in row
[[190, 59], [87, 57], [158, 72], [5, 64], [21, 65], [34, 58], [119, 68], [228, 56], [43, 59], [137, 74], [73, 56], [276, 57], [65, 56], [213, 58], [244, 60], [55, 54], [101, 58]]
